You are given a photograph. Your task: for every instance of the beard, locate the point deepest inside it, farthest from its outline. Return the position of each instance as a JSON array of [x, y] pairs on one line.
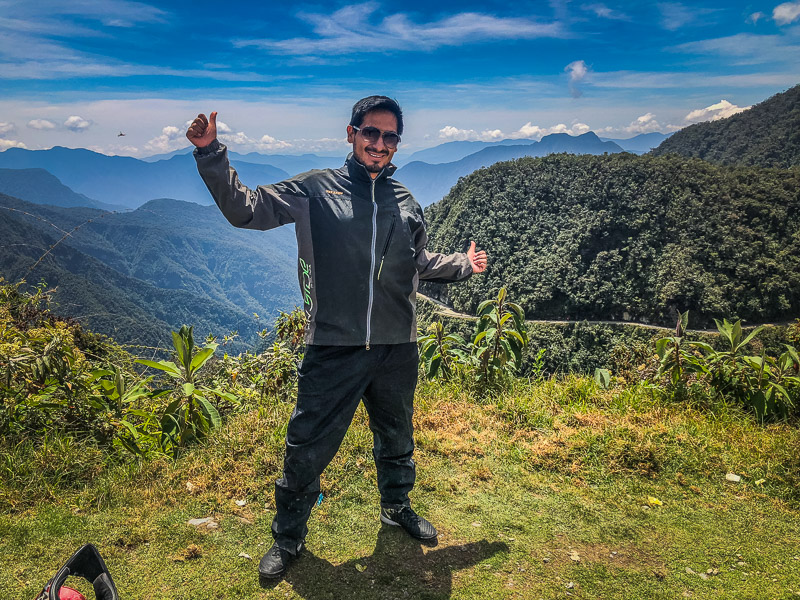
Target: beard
[[372, 168]]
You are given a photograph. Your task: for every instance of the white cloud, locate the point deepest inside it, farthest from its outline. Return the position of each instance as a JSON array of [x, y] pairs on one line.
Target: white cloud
[[77, 124], [452, 134], [755, 17], [675, 15], [604, 12], [7, 128], [351, 29], [786, 13], [715, 112], [529, 131], [646, 123], [113, 13], [747, 49], [222, 127], [171, 138], [6, 144], [578, 70], [579, 129], [41, 124], [266, 143]]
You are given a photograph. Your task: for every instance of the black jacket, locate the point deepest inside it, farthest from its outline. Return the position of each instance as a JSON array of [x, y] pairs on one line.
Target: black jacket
[[361, 245]]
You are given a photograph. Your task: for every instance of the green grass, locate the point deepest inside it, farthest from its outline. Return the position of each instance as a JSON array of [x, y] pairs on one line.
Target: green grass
[[518, 486]]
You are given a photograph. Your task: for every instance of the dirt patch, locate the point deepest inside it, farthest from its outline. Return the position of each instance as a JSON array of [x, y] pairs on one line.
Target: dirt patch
[[623, 556]]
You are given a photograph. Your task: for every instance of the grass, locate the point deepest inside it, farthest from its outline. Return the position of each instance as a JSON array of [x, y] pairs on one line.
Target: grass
[[541, 492]]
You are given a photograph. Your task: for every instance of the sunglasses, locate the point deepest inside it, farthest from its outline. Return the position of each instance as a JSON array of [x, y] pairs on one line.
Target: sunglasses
[[371, 134]]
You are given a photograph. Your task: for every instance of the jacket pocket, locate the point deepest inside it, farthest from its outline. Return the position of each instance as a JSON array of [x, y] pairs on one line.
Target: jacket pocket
[[386, 245]]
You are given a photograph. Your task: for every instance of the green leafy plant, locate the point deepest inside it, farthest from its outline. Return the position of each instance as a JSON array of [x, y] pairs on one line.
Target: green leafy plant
[[440, 352], [273, 371], [676, 360], [537, 366], [191, 415], [766, 384], [500, 339]]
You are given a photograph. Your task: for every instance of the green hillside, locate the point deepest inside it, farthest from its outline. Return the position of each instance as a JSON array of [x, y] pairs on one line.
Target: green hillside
[[626, 237], [766, 135], [133, 275]]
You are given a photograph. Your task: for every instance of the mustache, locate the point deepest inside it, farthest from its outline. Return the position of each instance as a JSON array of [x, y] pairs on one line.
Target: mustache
[[376, 151]]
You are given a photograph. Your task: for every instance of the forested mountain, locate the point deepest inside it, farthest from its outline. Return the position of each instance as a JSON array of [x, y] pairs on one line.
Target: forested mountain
[[41, 187], [126, 181], [766, 135], [430, 183], [133, 275], [623, 236]]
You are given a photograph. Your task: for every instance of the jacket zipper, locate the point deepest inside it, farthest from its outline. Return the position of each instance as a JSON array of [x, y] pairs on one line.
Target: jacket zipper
[[372, 263], [386, 246]]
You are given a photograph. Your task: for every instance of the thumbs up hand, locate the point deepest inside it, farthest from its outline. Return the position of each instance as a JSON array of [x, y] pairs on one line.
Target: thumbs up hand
[[203, 131], [477, 259]]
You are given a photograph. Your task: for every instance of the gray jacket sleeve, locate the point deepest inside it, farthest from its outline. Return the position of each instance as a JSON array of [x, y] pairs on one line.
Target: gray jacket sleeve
[[265, 207], [437, 267]]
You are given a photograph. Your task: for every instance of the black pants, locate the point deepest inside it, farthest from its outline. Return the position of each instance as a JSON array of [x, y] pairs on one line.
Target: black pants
[[332, 381]]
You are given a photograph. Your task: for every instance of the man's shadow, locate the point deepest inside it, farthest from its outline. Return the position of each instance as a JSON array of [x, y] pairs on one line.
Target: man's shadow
[[398, 568]]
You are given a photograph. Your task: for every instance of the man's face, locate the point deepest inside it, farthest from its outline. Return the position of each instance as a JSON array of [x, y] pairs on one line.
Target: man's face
[[373, 155]]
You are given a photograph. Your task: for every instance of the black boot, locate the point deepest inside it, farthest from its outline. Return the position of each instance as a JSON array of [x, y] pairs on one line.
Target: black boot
[[274, 563], [405, 517]]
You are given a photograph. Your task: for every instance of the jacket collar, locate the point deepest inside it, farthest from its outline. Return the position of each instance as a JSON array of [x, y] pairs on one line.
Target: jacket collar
[[358, 172]]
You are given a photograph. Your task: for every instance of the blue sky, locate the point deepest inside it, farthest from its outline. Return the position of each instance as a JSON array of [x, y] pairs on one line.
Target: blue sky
[[283, 76]]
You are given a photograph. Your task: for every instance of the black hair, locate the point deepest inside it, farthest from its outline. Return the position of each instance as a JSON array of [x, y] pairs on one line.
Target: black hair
[[370, 103]]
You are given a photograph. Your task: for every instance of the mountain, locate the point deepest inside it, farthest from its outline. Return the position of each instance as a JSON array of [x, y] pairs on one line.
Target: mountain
[[639, 144], [135, 274], [766, 135], [291, 164], [623, 236], [40, 187], [453, 151], [126, 181], [168, 155], [429, 183]]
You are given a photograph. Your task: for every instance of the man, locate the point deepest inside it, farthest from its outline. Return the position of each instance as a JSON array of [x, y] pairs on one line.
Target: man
[[361, 246]]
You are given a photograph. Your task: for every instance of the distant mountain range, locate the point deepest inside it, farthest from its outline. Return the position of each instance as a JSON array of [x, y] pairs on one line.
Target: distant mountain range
[[41, 187], [430, 183], [453, 151], [115, 182], [289, 163], [766, 135], [137, 274], [129, 182]]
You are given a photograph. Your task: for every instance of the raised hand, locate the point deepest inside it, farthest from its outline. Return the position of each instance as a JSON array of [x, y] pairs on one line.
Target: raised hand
[[202, 131], [478, 259]]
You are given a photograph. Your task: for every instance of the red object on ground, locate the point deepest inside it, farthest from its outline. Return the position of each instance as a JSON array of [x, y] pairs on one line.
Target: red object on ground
[[67, 593]]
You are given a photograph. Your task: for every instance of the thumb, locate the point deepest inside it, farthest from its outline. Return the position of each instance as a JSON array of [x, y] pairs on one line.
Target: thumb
[[471, 248], [213, 119]]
